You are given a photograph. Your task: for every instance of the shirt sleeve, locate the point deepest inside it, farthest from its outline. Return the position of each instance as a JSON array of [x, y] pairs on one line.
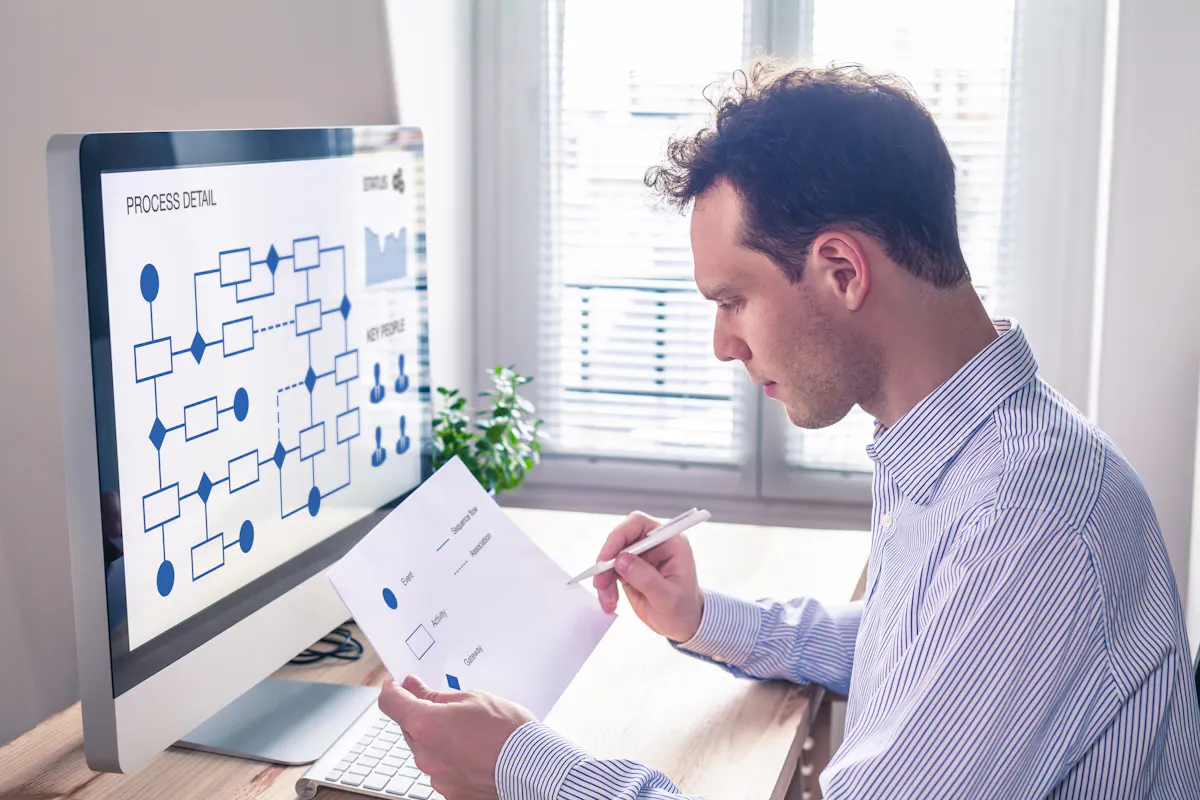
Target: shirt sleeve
[[536, 763], [992, 681], [801, 641]]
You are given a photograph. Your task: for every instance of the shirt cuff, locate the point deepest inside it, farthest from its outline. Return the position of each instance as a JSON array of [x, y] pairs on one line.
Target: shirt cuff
[[728, 629], [534, 762]]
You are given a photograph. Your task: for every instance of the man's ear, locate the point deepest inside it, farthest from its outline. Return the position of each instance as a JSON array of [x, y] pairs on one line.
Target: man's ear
[[839, 262]]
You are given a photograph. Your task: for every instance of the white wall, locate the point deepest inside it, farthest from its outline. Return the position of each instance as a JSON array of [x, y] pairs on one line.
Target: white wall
[[120, 65], [432, 53], [1144, 393]]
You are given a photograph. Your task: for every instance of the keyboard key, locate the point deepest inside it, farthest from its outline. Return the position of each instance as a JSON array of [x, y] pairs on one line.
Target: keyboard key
[[335, 776], [376, 751], [420, 792], [369, 761], [352, 780], [376, 781], [436, 796], [398, 785], [366, 740], [410, 772], [393, 761], [386, 770], [359, 769], [379, 724], [400, 749], [424, 780], [388, 737], [344, 764]]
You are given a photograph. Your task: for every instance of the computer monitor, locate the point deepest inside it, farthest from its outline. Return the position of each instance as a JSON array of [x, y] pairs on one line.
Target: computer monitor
[[242, 327]]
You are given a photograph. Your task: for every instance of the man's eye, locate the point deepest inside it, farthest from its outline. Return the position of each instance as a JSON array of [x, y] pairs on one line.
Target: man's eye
[[726, 305]]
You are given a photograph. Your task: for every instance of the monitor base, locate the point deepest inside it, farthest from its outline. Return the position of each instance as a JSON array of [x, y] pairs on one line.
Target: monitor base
[[282, 721]]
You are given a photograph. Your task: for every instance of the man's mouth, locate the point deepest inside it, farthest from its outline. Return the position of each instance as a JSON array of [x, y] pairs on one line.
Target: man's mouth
[[769, 387]]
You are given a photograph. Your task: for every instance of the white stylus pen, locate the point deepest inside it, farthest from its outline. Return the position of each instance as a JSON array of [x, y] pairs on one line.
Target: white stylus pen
[[653, 538]]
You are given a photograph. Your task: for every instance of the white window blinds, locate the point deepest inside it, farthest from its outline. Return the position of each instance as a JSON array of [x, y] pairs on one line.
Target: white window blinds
[[626, 361], [625, 358], [958, 57]]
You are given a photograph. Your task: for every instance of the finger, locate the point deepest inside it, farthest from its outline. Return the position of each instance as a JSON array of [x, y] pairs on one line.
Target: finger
[[636, 598], [635, 572], [608, 597], [672, 548], [418, 689], [401, 705], [634, 527]]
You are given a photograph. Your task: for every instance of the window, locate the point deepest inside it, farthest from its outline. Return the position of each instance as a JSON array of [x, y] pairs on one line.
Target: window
[[584, 282], [627, 368], [957, 56]]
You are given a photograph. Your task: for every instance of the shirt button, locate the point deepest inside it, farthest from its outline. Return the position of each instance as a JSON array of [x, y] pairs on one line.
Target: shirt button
[[887, 521]]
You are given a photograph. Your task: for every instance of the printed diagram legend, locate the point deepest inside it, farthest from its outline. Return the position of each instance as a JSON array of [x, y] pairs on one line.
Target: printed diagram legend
[[419, 642], [163, 356]]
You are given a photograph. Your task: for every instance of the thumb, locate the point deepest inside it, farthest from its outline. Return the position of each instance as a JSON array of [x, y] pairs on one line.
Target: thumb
[[400, 704], [418, 689], [641, 576]]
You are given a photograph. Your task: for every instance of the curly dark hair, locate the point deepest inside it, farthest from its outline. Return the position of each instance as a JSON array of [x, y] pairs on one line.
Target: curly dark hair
[[808, 149]]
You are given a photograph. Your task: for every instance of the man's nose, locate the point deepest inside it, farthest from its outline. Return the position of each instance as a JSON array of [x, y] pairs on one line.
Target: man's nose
[[728, 346]]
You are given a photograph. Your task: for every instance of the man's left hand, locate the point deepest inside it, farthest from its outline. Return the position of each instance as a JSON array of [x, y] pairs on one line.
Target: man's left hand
[[455, 737]]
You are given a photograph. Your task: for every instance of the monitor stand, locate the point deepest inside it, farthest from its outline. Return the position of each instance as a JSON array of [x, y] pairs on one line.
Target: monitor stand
[[282, 721]]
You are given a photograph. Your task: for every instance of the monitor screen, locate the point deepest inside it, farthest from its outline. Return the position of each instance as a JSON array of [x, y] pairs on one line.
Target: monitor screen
[[257, 304]]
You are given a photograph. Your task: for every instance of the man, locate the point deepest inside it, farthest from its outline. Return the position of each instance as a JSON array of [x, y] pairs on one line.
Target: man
[[1022, 635]]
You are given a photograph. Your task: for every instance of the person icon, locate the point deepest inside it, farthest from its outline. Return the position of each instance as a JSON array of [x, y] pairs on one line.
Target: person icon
[[402, 381], [403, 442], [377, 390], [380, 455]]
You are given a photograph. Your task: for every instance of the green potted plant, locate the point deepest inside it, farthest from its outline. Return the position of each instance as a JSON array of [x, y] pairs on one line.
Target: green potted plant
[[498, 444]]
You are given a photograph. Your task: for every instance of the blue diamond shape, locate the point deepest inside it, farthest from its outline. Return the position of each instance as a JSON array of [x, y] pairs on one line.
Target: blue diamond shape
[[345, 307], [452, 682], [158, 432], [310, 380], [197, 347], [205, 487], [272, 259], [279, 455]]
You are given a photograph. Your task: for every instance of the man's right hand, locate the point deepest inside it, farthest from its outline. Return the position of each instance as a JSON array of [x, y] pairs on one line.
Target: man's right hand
[[661, 583]]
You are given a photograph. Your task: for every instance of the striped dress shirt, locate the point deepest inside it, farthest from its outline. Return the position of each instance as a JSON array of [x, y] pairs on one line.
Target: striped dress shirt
[[1021, 635]]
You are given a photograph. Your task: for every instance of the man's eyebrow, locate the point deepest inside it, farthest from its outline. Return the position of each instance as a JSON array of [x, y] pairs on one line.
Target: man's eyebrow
[[722, 290]]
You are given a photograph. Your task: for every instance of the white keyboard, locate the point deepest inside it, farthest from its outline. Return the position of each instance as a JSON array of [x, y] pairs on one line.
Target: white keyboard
[[370, 758]]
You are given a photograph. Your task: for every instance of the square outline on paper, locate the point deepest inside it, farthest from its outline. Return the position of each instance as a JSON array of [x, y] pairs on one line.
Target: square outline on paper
[[408, 641]]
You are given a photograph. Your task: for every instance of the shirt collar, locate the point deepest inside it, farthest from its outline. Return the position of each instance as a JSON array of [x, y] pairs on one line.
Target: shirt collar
[[919, 447]]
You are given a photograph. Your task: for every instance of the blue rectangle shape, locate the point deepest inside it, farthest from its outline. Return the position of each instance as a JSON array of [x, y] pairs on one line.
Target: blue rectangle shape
[[161, 497], [198, 423], [234, 266], [346, 425], [308, 317], [148, 352], [308, 441], [216, 543], [345, 369], [306, 253], [235, 341], [239, 471]]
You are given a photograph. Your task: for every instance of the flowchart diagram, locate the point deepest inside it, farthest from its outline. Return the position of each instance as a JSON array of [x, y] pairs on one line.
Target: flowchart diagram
[[164, 356]]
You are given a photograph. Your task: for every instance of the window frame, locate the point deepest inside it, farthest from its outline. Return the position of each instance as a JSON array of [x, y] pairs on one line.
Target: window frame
[[760, 486]]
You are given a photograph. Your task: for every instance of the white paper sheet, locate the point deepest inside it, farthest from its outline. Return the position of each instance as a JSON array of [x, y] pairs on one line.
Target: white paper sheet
[[447, 588]]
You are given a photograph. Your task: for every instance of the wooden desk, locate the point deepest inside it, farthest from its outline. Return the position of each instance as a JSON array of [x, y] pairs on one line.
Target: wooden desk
[[636, 698]]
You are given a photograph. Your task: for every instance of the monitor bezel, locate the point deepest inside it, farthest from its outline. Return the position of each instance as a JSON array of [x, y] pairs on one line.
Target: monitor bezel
[[122, 152]]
